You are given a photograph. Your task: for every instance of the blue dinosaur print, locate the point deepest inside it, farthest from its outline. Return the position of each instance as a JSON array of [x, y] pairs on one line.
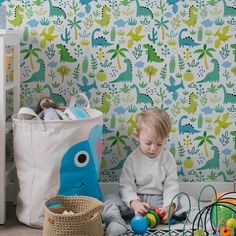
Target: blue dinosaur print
[[99, 41], [174, 87], [85, 87], [79, 167], [175, 6], [186, 41], [195, 83], [187, 128], [87, 5], [173, 1]]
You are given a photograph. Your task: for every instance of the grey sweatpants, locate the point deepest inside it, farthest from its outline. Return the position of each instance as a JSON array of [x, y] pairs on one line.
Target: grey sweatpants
[[115, 209]]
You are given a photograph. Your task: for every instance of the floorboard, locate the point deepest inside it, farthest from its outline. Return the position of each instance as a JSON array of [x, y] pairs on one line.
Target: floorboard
[[13, 227]]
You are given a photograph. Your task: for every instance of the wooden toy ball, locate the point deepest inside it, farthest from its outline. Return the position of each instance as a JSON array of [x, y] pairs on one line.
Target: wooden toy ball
[[139, 225]]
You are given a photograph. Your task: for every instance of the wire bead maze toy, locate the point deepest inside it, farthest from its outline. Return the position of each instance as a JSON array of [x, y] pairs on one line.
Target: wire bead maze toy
[[188, 212], [221, 213], [140, 224]]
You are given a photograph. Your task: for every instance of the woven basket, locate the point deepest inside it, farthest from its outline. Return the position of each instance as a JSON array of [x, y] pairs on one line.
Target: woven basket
[[86, 220]]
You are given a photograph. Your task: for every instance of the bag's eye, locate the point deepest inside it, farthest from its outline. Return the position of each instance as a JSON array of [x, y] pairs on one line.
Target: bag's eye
[[81, 159]]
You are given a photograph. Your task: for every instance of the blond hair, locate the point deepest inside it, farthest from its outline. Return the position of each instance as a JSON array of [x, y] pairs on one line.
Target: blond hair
[[157, 120]]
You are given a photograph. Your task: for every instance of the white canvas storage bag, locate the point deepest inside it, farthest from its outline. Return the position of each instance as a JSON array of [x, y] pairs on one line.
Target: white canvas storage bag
[[55, 157]]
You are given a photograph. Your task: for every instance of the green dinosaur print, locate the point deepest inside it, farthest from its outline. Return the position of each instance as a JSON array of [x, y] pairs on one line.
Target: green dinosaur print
[[56, 11], [214, 75], [213, 163], [142, 10], [105, 16], [192, 21], [141, 97], [228, 97], [151, 54], [64, 54], [138, 45], [125, 76], [58, 98], [229, 11], [18, 17], [221, 173], [192, 107], [132, 124], [105, 107], [38, 76]]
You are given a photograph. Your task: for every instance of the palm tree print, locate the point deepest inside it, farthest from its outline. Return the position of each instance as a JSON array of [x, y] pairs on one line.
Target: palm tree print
[[118, 61], [29, 53], [163, 25], [75, 25], [117, 140], [204, 53], [117, 52], [204, 140]]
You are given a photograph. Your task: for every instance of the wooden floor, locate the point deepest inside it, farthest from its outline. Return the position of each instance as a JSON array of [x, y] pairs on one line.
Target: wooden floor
[[14, 228]]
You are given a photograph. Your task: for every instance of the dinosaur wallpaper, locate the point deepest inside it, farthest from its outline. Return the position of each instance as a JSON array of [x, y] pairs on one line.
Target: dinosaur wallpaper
[[130, 55]]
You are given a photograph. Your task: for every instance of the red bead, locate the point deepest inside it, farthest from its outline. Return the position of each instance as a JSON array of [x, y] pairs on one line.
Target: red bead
[[161, 214]]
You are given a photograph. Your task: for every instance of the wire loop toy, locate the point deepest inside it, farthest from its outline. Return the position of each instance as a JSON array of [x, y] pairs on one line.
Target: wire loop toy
[[208, 213], [188, 213], [220, 213]]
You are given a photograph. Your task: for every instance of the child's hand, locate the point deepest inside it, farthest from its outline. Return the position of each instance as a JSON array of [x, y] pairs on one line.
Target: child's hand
[[166, 209], [139, 207]]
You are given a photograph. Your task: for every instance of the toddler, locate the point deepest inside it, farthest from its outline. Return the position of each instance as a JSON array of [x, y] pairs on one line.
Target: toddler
[[149, 175]]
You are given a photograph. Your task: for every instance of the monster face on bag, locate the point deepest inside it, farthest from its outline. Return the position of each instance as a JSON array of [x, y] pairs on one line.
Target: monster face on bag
[[79, 167]]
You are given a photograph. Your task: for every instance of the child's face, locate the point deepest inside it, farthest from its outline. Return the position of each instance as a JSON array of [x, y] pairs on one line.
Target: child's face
[[149, 143]]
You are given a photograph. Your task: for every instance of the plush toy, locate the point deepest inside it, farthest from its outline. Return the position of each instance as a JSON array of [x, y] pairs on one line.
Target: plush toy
[[48, 107]]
